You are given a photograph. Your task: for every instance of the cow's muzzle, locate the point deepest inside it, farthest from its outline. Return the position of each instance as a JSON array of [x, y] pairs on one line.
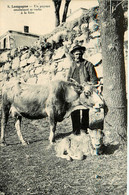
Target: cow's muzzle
[[98, 107]]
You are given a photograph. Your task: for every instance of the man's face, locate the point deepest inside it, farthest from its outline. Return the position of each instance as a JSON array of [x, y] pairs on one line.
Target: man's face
[[77, 55]]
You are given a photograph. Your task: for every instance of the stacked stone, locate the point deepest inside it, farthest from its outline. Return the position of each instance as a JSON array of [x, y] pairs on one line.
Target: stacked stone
[[50, 58]]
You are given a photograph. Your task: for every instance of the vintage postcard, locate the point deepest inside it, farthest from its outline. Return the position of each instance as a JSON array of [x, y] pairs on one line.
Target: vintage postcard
[[63, 97]]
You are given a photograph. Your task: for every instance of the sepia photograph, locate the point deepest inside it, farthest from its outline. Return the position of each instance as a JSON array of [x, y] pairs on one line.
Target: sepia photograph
[[63, 97]]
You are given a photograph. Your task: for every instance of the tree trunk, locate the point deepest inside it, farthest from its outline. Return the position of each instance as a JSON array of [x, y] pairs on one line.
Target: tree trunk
[[112, 39], [65, 10], [57, 4]]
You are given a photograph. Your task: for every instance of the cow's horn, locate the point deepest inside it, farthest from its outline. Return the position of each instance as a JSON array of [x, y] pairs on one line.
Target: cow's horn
[[75, 82], [93, 85], [97, 85]]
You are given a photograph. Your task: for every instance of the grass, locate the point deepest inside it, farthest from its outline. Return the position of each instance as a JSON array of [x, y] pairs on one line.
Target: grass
[[34, 169]]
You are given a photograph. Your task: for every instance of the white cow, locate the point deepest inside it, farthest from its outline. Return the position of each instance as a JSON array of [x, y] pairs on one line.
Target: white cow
[[76, 147], [55, 100]]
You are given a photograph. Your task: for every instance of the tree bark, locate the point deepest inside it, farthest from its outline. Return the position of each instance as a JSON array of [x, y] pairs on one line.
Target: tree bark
[[65, 10], [57, 4], [112, 38]]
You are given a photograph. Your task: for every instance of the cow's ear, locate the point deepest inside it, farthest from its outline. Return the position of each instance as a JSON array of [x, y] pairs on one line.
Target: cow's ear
[[91, 84]]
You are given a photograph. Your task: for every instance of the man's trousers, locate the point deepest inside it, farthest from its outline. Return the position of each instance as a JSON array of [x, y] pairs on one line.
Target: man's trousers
[[78, 122]]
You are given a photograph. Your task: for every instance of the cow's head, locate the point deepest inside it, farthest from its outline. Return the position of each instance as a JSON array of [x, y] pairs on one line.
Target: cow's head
[[89, 96], [96, 136]]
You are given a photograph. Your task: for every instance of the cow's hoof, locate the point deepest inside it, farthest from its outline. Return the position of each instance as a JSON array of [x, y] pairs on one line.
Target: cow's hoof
[[3, 144], [52, 143], [51, 139], [69, 158], [50, 146], [25, 143]]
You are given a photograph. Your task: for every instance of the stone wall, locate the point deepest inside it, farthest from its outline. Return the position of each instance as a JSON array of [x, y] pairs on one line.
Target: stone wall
[[49, 57]]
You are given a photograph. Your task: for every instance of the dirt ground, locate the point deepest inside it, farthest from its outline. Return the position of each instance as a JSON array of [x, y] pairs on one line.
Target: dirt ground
[[35, 169]]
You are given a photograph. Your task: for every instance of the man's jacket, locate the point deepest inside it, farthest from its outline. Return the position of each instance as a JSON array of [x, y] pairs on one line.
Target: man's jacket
[[85, 72]]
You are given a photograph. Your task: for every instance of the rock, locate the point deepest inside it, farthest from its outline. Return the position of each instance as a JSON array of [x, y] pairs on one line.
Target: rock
[[32, 72], [76, 28], [57, 36], [93, 26], [24, 56], [47, 68], [38, 70], [53, 66], [7, 66], [1, 76], [37, 54], [60, 67], [64, 64], [4, 77], [47, 57], [32, 59], [58, 53], [26, 76], [95, 34], [4, 56], [15, 63], [90, 44], [14, 52], [84, 27], [80, 40], [23, 63], [32, 80], [26, 68]]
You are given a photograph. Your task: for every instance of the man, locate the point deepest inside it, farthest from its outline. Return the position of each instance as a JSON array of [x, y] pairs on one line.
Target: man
[[81, 71]]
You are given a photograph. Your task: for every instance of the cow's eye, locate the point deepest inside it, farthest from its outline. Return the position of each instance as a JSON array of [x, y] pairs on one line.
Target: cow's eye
[[87, 93]]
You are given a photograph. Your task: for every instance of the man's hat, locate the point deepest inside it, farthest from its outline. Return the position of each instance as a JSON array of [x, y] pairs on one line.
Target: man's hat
[[77, 47]]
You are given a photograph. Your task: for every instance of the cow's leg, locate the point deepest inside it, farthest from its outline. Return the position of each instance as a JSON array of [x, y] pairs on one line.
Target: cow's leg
[[4, 120], [65, 156], [52, 131], [75, 154], [50, 112], [18, 128]]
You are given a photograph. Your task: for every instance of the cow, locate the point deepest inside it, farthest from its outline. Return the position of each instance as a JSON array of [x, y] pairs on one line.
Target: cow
[[79, 146], [55, 100]]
